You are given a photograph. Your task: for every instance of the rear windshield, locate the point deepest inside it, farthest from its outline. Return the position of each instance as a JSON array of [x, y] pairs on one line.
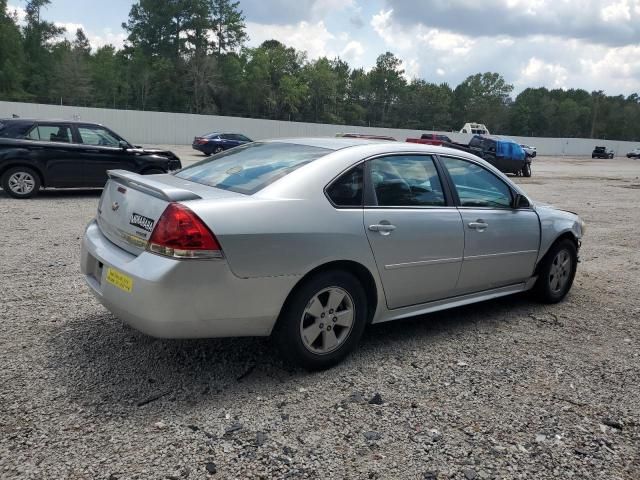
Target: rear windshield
[[249, 168]]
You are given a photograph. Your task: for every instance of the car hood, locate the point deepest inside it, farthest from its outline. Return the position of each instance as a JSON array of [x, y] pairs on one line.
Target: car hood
[[154, 151]]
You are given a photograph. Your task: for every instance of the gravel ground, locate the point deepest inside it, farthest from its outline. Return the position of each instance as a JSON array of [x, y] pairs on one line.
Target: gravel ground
[[503, 389]]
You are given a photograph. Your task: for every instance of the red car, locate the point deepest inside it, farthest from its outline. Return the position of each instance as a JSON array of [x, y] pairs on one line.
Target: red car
[[430, 139]]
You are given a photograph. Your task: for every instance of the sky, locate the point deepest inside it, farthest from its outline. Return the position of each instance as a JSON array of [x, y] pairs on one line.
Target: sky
[[589, 44]]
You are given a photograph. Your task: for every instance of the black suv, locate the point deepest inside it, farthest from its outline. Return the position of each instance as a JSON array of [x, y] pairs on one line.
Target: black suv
[[67, 154], [602, 152]]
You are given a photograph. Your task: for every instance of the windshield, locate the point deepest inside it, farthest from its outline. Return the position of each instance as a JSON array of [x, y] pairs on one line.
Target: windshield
[[251, 167]]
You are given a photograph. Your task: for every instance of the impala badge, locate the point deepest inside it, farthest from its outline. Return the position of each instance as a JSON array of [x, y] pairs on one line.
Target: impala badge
[[115, 206]]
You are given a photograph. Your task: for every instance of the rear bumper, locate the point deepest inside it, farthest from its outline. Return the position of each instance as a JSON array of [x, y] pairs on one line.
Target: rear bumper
[[202, 148], [181, 298]]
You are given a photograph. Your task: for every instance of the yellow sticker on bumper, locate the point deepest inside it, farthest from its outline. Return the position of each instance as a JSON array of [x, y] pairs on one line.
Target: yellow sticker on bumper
[[120, 280]]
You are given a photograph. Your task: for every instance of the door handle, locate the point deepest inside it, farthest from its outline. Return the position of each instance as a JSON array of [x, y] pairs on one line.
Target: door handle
[[383, 228], [479, 225]]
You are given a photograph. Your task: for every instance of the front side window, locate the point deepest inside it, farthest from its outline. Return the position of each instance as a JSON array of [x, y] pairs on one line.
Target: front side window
[[98, 136], [251, 167], [406, 181], [346, 190], [476, 186], [50, 133]]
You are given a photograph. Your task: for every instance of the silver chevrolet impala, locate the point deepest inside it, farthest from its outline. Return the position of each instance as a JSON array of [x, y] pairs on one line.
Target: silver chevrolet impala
[[309, 240]]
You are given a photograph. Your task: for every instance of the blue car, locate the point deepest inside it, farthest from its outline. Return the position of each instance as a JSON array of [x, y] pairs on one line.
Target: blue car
[[216, 142]]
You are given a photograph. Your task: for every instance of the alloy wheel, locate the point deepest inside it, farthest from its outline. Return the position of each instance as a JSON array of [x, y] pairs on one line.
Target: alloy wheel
[[22, 183], [560, 271], [327, 320]]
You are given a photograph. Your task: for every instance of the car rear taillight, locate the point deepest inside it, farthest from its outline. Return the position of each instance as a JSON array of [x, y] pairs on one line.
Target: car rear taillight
[[200, 141], [180, 233]]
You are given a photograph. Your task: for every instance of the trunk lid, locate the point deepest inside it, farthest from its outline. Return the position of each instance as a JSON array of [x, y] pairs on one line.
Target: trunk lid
[[131, 205]]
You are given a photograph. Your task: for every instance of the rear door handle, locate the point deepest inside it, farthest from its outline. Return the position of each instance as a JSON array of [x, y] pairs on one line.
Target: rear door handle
[[479, 225], [383, 228]]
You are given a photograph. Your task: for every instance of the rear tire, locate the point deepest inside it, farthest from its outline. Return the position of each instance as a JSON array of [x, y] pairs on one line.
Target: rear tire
[[556, 272], [217, 150], [153, 171], [21, 182], [322, 321], [526, 170]]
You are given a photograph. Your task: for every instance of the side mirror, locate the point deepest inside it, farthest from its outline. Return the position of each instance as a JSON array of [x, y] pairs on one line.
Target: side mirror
[[123, 145], [519, 201]]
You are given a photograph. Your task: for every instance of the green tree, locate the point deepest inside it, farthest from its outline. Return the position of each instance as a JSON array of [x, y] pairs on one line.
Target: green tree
[[39, 36], [386, 82], [72, 77], [228, 25], [12, 62]]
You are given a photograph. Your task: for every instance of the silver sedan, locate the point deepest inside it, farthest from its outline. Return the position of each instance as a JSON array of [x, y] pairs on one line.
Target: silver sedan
[[310, 240]]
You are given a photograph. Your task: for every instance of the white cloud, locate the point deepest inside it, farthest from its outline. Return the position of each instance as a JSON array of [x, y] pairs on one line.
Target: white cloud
[[538, 72], [411, 68], [352, 52], [314, 38], [106, 37], [617, 12], [20, 13]]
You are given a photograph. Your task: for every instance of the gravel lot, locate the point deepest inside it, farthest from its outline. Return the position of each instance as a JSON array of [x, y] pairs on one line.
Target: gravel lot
[[503, 389]]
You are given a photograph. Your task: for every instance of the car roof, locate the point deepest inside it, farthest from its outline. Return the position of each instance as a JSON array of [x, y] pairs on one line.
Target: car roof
[[47, 120], [372, 147]]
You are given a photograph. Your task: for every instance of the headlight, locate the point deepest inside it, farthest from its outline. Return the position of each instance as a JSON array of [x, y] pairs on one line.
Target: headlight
[[583, 226]]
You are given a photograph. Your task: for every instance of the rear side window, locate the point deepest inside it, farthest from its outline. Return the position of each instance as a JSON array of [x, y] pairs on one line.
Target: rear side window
[[346, 190], [406, 181], [51, 133], [251, 167], [13, 130]]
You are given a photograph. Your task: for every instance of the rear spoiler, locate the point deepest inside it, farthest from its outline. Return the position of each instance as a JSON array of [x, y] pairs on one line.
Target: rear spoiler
[[148, 185]]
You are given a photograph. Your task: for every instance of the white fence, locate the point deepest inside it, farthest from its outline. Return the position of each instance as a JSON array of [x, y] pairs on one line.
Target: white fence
[[180, 128]]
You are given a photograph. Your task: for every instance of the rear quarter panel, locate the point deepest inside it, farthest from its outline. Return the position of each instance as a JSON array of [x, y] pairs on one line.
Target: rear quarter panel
[[276, 237]]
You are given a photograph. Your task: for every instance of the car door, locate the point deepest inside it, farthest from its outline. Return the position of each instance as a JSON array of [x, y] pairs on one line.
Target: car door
[[101, 151], [52, 148], [413, 229], [500, 242]]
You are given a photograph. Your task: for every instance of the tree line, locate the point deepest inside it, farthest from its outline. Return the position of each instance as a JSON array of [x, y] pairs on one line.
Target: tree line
[[191, 56]]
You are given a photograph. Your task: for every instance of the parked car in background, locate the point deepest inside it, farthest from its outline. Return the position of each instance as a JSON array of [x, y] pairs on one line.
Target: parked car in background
[[635, 153], [430, 139], [475, 128], [366, 136], [217, 142], [503, 153], [602, 152], [37, 154], [529, 150], [312, 239]]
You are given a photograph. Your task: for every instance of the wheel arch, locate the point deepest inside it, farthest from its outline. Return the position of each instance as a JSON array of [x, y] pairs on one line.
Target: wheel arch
[[566, 235], [23, 163], [362, 273]]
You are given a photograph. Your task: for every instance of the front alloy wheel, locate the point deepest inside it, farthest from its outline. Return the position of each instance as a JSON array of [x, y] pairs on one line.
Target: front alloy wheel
[[557, 271]]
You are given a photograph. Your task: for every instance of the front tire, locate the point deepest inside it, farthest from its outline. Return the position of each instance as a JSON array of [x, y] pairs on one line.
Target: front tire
[[526, 170], [21, 182], [323, 320], [154, 171], [557, 271]]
